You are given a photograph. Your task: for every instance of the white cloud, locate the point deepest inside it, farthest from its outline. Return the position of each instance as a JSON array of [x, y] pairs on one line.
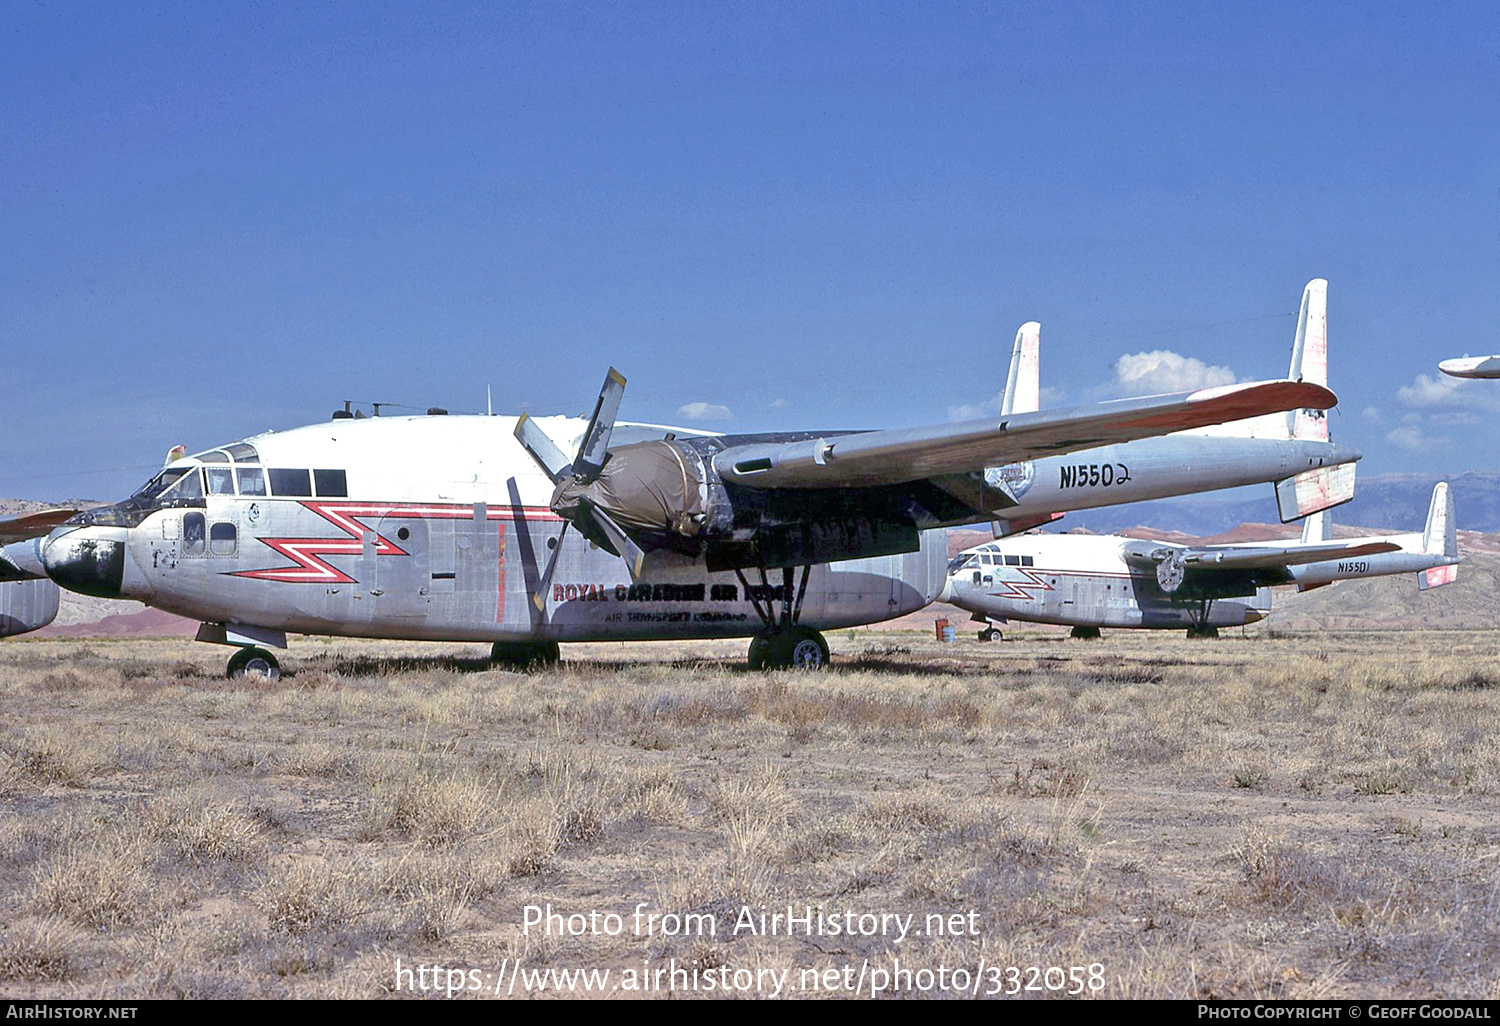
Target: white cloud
[[1047, 399], [1430, 391], [971, 411], [704, 411], [1412, 439], [1371, 414], [1162, 370], [779, 404]]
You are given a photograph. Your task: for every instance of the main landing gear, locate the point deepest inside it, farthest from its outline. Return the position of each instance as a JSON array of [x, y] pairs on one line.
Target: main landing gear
[[1086, 633], [990, 634], [253, 662], [524, 656], [783, 644], [1202, 629]]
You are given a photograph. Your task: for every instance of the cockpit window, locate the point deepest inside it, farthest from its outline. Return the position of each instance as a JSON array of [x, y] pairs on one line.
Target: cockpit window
[[962, 560], [220, 480], [160, 483], [252, 480], [188, 486], [212, 456], [242, 452]]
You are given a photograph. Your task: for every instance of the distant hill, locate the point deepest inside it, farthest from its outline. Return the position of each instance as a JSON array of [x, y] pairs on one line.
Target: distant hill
[[1394, 502]]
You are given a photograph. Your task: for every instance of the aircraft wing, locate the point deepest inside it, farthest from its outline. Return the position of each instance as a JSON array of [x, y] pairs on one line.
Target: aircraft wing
[[1255, 557], [32, 525], [908, 454]]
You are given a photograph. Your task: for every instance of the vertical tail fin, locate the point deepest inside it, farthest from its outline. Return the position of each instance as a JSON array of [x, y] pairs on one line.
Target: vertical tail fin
[[1317, 528], [1023, 383], [1310, 359], [1441, 536]]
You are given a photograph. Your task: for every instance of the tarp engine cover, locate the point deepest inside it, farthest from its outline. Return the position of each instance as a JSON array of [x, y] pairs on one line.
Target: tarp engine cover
[[650, 486]]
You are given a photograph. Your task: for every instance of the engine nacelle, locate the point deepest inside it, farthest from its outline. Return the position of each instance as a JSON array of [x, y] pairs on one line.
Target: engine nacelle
[[667, 494], [27, 606]]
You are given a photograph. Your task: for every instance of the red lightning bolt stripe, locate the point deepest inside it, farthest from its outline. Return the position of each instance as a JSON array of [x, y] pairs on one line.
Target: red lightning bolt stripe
[[304, 553], [1015, 589]]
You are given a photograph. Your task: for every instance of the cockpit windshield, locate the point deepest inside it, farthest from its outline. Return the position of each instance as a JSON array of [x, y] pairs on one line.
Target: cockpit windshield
[[962, 560], [160, 483]]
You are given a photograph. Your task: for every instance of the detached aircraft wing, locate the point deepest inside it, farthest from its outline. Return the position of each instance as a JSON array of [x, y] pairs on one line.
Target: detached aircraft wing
[[907, 454]]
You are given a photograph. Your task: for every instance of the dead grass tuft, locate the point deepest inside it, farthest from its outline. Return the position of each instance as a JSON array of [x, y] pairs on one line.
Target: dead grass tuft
[[203, 833], [99, 882], [308, 896], [39, 949]]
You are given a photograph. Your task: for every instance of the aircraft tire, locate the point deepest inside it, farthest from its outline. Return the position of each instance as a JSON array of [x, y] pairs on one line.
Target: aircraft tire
[[799, 649], [253, 662], [990, 634], [1085, 633], [524, 656], [759, 657], [1203, 632]]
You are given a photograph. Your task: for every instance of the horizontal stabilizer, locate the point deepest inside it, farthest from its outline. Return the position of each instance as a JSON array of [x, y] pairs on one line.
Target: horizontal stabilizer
[[1472, 367], [1006, 528], [875, 458], [1437, 576], [1313, 491]]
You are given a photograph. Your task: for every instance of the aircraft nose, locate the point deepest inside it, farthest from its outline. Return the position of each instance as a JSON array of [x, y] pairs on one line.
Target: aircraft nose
[[89, 560], [1253, 615]]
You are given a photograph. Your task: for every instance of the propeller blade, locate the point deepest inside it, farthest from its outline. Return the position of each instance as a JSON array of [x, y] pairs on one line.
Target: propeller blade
[[543, 586], [593, 451], [546, 453], [620, 543]]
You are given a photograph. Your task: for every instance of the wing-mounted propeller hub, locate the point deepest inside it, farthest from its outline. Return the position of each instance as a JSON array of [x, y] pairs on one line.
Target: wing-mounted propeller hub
[[1171, 569], [647, 490]]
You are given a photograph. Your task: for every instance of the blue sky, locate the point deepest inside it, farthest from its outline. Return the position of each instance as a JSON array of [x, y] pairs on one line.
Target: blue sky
[[218, 221]]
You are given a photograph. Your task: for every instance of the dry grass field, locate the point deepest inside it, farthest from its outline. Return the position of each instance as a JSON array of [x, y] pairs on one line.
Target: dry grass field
[[1260, 816]]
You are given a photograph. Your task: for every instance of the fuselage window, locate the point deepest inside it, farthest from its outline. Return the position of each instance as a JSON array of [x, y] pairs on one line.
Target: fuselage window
[[243, 453], [290, 482], [252, 480], [192, 534], [1027, 561], [223, 538], [1012, 560], [988, 560], [220, 480], [331, 483]]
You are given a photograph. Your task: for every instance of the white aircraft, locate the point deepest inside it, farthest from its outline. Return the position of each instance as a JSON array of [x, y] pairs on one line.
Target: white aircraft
[[457, 527], [1291, 450], [1472, 367], [1094, 581]]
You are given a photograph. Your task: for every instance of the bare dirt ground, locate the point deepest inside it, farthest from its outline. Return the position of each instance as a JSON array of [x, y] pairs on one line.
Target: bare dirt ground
[[1296, 816]]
